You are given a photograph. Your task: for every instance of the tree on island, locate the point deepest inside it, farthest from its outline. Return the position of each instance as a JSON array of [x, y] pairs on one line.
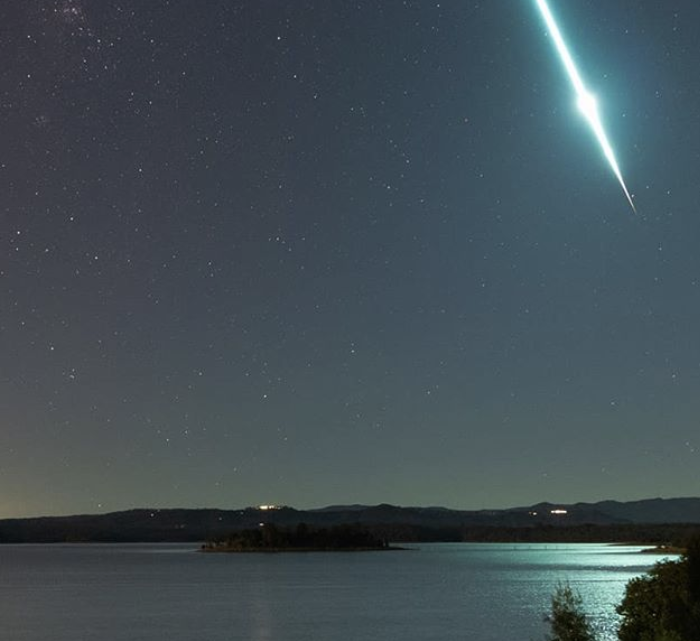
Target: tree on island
[[272, 538]]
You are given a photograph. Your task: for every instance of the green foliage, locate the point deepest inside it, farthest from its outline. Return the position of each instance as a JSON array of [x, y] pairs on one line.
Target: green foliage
[[567, 620], [664, 604]]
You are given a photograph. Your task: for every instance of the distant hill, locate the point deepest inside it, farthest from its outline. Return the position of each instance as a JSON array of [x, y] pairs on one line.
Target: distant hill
[[646, 520], [684, 510]]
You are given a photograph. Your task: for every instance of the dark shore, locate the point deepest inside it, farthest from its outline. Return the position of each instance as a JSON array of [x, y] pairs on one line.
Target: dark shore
[[263, 550], [664, 549]]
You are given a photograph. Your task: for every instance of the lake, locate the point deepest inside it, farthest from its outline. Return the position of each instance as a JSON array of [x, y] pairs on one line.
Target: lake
[[441, 592]]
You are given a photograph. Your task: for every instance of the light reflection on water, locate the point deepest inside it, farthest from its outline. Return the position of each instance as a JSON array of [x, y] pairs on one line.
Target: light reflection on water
[[450, 592]]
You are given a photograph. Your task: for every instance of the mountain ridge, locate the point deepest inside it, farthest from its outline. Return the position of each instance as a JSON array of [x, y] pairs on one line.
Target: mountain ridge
[[543, 519]]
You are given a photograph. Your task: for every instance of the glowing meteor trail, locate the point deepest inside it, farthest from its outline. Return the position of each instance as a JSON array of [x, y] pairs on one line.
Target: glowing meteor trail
[[586, 101]]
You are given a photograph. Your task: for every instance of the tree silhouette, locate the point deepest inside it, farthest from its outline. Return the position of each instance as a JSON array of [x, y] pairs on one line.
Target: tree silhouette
[[567, 620]]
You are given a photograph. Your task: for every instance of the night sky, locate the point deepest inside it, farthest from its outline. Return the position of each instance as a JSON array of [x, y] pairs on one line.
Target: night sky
[[312, 253]]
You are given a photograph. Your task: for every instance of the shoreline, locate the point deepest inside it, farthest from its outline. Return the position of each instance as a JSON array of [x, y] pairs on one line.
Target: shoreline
[[282, 550]]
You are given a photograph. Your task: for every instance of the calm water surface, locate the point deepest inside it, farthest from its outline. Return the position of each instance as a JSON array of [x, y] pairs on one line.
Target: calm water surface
[[445, 592]]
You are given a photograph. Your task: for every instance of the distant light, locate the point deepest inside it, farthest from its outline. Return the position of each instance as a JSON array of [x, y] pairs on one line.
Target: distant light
[[265, 508], [558, 512]]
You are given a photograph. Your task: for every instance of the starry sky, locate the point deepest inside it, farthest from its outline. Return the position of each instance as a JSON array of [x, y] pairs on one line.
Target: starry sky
[[311, 253]]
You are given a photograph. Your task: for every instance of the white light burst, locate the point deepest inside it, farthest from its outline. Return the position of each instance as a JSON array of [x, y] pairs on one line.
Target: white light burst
[[586, 101]]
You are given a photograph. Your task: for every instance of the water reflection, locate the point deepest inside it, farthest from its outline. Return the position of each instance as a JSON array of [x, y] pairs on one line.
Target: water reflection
[[259, 609], [449, 592]]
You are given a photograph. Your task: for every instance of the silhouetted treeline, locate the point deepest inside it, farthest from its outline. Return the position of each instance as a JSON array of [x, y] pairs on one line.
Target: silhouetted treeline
[[387, 522], [655, 534], [269, 537]]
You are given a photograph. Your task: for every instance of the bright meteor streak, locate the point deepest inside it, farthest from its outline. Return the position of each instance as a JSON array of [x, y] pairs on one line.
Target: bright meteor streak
[[586, 101]]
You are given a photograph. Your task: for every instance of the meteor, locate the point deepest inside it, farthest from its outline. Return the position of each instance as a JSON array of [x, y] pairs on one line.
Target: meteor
[[586, 100]]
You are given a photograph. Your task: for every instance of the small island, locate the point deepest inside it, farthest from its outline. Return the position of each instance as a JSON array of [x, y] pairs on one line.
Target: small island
[[302, 538]]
